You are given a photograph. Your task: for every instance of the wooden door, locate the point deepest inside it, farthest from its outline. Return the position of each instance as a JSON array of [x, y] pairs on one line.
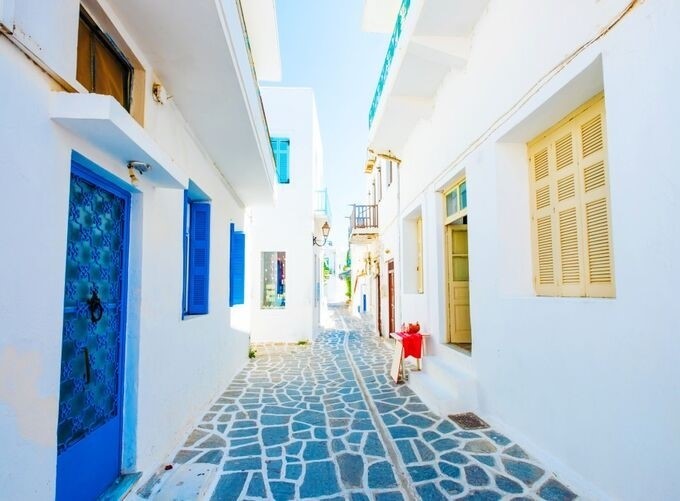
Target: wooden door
[[459, 331], [378, 305], [390, 292]]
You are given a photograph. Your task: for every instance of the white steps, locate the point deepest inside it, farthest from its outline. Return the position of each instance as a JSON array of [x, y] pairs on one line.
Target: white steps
[[444, 388]]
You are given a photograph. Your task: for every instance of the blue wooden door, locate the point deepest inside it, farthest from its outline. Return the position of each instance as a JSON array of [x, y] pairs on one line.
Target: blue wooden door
[[90, 404]]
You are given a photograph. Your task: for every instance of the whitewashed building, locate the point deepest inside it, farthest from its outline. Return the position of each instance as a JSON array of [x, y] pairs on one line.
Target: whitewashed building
[[284, 255], [527, 201], [132, 141]]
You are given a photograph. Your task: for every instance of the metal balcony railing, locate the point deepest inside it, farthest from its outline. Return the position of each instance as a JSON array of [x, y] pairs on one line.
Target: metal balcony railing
[[392, 47], [364, 217]]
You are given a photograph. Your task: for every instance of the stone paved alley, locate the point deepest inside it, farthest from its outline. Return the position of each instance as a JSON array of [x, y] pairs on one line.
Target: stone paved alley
[[325, 421]]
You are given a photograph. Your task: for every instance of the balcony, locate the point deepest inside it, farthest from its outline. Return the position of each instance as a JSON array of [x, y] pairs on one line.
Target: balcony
[[363, 225], [430, 40], [392, 47]]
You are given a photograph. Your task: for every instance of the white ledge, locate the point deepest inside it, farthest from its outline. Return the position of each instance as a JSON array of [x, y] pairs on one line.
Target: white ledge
[[102, 121]]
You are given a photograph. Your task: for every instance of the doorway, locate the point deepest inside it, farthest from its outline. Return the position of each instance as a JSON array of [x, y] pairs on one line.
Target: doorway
[[390, 295], [89, 431], [458, 280]]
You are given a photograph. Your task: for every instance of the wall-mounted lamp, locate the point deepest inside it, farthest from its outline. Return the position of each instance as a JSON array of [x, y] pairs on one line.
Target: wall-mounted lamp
[[140, 167], [326, 230]]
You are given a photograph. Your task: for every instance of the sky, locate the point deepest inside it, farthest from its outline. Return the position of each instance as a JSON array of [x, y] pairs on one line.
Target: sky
[[323, 47]]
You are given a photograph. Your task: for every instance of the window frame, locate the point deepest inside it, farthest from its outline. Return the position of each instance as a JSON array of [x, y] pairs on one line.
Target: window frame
[[96, 33], [280, 282], [458, 187]]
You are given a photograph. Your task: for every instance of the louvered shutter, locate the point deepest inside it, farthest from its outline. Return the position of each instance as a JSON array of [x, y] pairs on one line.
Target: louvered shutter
[[567, 212], [543, 222], [237, 267], [199, 258], [284, 161], [599, 268], [570, 207], [281, 149]]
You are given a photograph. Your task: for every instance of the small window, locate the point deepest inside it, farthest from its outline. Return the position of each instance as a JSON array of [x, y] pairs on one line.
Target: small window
[[101, 67], [281, 149], [390, 173], [456, 201], [570, 214], [273, 280], [237, 266], [196, 256], [378, 184]]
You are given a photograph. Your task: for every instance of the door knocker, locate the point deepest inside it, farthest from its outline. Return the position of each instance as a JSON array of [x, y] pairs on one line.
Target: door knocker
[[95, 306]]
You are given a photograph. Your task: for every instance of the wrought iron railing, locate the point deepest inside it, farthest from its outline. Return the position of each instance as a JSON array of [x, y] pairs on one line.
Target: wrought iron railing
[[364, 217], [394, 41]]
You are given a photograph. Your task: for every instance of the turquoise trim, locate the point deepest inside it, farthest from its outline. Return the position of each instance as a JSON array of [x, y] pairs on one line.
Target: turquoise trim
[[394, 41]]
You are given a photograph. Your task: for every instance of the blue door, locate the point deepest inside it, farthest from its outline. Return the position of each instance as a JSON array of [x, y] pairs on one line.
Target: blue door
[[93, 337]]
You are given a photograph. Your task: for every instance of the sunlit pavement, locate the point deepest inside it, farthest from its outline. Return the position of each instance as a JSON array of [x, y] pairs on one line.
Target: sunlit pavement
[[325, 421]]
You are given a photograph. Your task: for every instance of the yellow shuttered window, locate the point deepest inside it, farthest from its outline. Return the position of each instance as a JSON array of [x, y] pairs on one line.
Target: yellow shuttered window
[[571, 225], [419, 257]]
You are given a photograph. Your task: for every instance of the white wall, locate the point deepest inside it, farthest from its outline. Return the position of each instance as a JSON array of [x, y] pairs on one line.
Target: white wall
[[590, 385], [174, 367], [289, 224]]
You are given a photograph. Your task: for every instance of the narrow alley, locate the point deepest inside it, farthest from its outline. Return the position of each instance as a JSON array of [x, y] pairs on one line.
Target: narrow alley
[[324, 420]]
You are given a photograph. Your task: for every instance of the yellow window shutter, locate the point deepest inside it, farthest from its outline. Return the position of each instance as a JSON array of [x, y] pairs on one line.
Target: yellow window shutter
[[599, 266], [543, 224], [419, 270], [571, 221], [568, 213]]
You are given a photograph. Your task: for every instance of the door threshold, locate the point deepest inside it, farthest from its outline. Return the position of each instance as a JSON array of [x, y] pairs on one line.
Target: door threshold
[[464, 348], [121, 487]]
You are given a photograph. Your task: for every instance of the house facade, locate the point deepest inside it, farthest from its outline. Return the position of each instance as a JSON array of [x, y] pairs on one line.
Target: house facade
[[131, 149], [512, 146], [285, 264]]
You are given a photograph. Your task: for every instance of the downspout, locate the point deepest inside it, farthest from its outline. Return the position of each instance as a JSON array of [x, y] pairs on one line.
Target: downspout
[[401, 264]]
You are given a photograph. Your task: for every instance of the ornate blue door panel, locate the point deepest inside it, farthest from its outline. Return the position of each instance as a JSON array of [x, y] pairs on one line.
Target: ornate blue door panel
[[90, 402]]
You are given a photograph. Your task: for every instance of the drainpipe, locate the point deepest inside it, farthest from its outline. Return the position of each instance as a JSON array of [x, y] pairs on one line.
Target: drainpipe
[[401, 264]]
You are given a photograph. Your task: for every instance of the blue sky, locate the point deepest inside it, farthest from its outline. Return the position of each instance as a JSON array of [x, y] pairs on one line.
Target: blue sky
[[323, 47]]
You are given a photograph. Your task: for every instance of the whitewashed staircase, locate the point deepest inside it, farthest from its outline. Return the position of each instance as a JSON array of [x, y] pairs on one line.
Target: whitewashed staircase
[[444, 388]]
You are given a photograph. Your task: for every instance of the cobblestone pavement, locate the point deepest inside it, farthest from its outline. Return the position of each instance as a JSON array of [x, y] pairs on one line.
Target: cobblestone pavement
[[325, 421]]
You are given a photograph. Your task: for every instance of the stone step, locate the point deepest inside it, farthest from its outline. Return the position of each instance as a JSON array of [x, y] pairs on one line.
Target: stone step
[[443, 388]]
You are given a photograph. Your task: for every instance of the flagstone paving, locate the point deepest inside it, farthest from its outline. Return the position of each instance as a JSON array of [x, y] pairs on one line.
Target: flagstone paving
[[325, 421]]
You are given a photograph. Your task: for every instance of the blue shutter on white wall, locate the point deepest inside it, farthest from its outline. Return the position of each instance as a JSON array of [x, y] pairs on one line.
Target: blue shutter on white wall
[[199, 258], [281, 149], [284, 156], [237, 267]]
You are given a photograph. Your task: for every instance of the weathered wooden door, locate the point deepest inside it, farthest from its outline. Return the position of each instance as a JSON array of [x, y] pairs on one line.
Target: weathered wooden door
[[90, 402]]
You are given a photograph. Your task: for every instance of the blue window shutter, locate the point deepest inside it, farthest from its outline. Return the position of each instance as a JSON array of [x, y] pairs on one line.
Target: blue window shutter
[[199, 258], [281, 149], [237, 266]]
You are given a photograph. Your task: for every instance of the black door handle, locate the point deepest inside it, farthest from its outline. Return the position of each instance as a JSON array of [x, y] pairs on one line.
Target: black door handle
[[95, 306], [86, 353]]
